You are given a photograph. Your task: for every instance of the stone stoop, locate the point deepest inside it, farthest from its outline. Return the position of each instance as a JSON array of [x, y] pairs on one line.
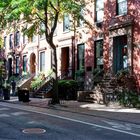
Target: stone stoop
[[103, 93], [85, 96]]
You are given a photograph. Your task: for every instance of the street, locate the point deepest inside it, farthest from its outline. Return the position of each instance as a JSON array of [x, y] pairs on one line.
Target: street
[[33, 123]]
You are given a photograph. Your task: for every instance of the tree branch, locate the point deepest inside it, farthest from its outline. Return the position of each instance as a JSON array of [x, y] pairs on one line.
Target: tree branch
[[55, 18], [46, 19], [40, 18], [53, 6]]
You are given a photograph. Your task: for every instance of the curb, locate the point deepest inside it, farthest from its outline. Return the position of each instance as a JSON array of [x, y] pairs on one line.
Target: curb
[[83, 111]]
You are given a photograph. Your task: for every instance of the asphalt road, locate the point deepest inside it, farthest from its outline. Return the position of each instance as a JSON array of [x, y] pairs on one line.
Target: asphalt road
[[16, 119]]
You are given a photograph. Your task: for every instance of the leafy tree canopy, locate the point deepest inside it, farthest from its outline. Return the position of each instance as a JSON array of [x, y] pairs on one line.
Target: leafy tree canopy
[[35, 12], [31, 13]]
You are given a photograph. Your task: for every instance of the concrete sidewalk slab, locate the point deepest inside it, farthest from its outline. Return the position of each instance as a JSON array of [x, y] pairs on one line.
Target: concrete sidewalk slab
[[75, 104], [114, 111]]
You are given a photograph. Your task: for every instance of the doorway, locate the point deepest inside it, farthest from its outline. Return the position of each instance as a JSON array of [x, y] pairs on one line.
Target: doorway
[[10, 67], [32, 63], [65, 61], [120, 53]]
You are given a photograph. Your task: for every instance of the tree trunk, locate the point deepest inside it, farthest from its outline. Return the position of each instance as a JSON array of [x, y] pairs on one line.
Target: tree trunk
[[55, 98]]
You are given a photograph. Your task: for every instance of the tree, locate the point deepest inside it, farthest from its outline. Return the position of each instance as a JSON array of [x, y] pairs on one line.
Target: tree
[[35, 12]]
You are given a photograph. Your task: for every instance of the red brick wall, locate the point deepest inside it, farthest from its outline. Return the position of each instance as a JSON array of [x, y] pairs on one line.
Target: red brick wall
[[111, 19], [136, 40]]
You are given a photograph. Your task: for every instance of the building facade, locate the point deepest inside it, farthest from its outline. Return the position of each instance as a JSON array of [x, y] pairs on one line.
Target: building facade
[[111, 42]]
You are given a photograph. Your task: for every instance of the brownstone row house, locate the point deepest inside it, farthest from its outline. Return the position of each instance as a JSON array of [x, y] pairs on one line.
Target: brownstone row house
[[112, 43]]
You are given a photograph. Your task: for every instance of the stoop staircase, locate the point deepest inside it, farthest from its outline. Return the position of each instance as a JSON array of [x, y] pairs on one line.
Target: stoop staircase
[[25, 81], [44, 90], [103, 92]]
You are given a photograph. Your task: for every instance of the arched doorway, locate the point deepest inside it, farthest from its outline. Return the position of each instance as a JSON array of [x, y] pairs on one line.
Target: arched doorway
[[32, 63]]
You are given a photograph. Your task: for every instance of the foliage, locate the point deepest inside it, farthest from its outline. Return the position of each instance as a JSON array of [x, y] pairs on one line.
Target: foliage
[[2, 72], [31, 13], [37, 81], [24, 73], [125, 80], [122, 74], [67, 89], [97, 75], [1, 42], [6, 85], [129, 98], [12, 78], [80, 73]]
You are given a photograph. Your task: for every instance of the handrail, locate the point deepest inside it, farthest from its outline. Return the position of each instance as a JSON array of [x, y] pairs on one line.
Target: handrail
[[21, 78], [63, 74], [44, 82], [97, 74]]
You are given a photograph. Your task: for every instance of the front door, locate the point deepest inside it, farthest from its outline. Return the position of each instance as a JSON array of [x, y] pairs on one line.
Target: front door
[[120, 56], [32, 63], [10, 67], [64, 61]]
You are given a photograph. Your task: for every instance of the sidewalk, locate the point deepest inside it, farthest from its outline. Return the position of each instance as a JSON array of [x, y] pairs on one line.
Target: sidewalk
[[114, 111]]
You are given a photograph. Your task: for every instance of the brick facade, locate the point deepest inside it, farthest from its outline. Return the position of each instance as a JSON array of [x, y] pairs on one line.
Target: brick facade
[[125, 27]]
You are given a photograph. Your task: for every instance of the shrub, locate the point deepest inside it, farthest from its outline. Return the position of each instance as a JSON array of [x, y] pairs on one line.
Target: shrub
[[80, 73], [129, 98], [37, 81], [67, 89]]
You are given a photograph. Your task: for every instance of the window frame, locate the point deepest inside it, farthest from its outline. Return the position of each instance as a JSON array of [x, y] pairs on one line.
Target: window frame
[[66, 25], [17, 65], [80, 22], [118, 2], [5, 41], [42, 31], [17, 38], [25, 63], [81, 61], [98, 9], [42, 61], [11, 41], [96, 65]]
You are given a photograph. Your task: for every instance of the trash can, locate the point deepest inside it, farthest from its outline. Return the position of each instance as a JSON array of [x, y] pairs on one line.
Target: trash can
[[23, 95], [6, 94]]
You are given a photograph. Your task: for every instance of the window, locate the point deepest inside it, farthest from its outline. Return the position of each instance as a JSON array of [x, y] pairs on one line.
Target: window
[[55, 32], [42, 61], [99, 10], [42, 36], [11, 41], [25, 63], [17, 38], [17, 65], [80, 22], [125, 57], [33, 38], [5, 39], [42, 30], [66, 22], [26, 39], [121, 7], [23, 38], [80, 57], [99, 54]]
